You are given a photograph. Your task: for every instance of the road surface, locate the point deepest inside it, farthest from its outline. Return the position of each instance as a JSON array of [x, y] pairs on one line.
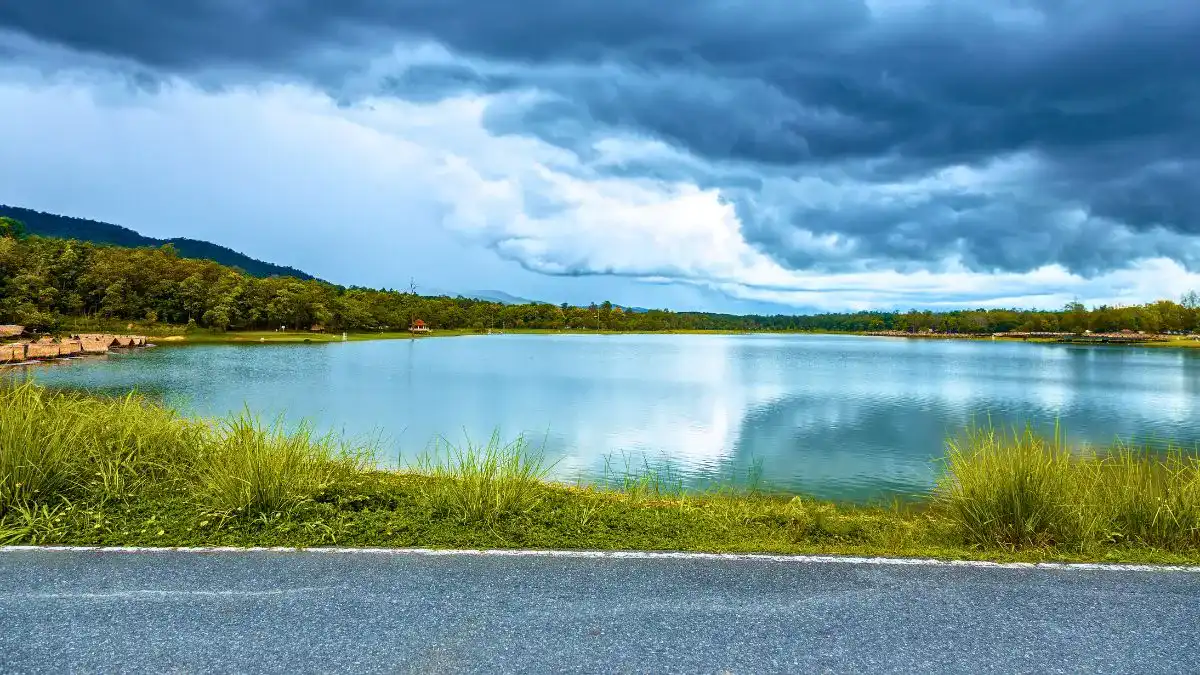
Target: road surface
[[348, 612]]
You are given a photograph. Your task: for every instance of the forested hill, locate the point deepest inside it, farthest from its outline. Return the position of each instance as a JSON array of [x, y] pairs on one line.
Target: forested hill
[[65, 227]]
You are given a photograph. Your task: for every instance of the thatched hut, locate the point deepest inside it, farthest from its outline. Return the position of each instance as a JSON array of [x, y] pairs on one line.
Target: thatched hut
[[97, 343], [12, 353], [70, 348], [41, 350], [11, 331], [124, 341]]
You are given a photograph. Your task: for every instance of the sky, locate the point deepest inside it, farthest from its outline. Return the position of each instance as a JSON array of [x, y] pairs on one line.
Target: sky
[[719, 155]]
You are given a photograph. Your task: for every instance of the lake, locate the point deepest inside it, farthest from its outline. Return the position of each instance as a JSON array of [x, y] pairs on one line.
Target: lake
[[838, 417]]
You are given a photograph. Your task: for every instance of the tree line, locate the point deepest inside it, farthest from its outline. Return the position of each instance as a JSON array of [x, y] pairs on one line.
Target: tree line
[[46, 283]]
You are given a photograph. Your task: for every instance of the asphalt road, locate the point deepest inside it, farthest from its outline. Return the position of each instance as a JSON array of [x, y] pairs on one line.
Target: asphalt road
[[373, 612]]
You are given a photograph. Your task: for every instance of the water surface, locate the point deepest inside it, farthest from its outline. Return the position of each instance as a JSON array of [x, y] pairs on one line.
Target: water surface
[[835, 416]]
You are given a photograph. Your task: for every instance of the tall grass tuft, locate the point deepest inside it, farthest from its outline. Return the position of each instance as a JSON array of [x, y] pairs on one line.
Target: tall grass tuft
[[1014, 490], [482, 483], [256, 470], [37, 447], [57, 446], [60, 444], [659, 479], [130, 442], [1149, 498], [1020, 490]]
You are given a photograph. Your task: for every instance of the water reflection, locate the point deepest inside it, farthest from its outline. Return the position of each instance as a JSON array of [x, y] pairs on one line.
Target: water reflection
[[839, 417]]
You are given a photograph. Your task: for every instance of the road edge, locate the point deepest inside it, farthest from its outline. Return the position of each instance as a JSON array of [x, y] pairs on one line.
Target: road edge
[[616, 555]]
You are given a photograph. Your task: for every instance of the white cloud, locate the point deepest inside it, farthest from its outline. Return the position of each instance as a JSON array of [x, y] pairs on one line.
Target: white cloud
[[357, 193]]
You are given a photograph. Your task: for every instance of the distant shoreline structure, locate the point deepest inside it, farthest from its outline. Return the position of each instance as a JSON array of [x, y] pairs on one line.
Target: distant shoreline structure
[[49, 348]]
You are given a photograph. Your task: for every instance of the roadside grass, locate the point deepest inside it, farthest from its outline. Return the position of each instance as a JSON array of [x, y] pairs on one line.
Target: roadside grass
[[246, 467], [1019, 490], [481, 483], [88, 470]]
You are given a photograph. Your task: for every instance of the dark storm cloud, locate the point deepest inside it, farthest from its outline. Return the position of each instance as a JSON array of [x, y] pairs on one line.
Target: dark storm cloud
[[1104, 96], [434, 82], [194, 33]]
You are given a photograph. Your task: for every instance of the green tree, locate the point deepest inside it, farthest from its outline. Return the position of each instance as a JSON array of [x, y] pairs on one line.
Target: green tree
[[11, 228], [1075, 317]]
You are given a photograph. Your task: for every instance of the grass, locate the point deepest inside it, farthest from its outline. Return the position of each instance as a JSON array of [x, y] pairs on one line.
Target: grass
[[86, 470], [245, 467], [481, 484], [1022, 491], [1176, 342]]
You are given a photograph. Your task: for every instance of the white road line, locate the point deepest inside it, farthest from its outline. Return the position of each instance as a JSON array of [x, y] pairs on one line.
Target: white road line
[[157, 594], [621, 555]]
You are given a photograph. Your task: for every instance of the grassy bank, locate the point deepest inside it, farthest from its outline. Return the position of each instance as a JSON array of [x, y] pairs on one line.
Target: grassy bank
[[76, 469]]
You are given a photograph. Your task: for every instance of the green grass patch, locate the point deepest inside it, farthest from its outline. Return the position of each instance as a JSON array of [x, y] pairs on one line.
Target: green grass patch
[[244, 467], [481, 483], [1022, 491], [88, 470]]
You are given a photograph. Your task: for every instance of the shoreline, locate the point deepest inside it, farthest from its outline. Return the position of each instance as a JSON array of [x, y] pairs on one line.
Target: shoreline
[[173, 336]]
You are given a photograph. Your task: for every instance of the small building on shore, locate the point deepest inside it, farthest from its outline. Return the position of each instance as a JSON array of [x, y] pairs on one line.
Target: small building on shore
[[48, 348], [42, 350], [418, 326], [12, 353], [11, 331], [97, 344]]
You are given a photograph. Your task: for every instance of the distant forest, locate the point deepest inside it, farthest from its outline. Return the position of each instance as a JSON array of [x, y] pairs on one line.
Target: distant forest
[[44, 282], [65, 227]]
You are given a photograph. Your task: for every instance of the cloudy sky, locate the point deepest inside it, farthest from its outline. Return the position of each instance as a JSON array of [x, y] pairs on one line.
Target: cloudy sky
[[698, 154]]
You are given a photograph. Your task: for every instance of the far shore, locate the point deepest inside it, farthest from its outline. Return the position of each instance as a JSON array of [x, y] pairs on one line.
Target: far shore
[[277, 337], [165, 335]]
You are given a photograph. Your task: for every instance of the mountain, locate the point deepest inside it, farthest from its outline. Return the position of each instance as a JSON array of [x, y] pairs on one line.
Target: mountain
[[65, 227], [487, 296], [500, 297]]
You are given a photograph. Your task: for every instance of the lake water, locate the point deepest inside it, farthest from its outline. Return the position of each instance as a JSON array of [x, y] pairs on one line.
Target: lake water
[[835, 416]]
